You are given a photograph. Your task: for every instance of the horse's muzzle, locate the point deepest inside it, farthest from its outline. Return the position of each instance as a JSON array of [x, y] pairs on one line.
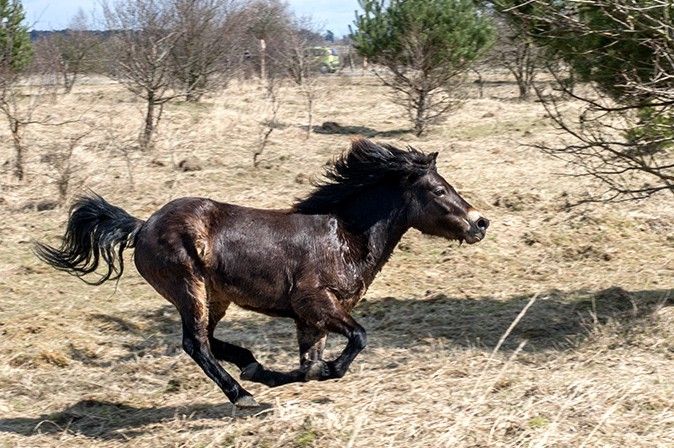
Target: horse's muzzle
[[478, 227]]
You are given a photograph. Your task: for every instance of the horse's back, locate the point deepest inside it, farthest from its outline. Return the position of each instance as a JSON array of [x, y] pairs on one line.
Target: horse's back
[[240, 250]]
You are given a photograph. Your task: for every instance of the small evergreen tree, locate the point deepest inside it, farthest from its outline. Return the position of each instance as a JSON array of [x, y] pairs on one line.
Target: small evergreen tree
[[15, 47], [15, 55], [426, 46], [624, 135]]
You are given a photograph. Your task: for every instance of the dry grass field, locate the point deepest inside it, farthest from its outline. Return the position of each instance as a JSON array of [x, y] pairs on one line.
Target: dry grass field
[[588, 362]]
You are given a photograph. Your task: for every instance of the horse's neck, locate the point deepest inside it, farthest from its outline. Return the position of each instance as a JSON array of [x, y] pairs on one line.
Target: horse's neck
[[376, 224], [382, 238]]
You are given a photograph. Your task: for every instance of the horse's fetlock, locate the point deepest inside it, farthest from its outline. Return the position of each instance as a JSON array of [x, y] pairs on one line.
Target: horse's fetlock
[[317, 370], [360, 339], [250, 372]]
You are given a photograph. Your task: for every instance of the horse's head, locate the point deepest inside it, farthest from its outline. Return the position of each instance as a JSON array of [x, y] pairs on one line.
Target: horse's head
[[437, 209]]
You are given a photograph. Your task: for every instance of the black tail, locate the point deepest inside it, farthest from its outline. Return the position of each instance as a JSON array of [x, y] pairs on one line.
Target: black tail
[[95, 230]]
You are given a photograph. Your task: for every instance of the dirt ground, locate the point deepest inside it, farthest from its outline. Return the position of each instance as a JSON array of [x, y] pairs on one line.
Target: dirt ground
[[557, 330]]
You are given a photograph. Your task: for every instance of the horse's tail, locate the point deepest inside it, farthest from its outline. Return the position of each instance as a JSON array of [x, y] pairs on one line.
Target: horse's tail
[[95, 230]]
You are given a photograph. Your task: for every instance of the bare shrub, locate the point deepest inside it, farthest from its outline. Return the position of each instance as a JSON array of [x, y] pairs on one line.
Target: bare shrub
[[623, 134], [65, 170], [300, 64], [267, 22], [517, 52]]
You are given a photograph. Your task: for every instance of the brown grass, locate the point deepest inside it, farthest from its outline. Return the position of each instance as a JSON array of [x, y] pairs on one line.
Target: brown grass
[[588, 364]]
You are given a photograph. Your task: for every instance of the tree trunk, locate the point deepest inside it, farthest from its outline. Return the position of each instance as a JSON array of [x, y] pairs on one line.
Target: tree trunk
[[420, 115], [68, 83], [18, 165], [523, 86], [310, 112], [148, 128], [263, 60], [194, 89], [15, 129]]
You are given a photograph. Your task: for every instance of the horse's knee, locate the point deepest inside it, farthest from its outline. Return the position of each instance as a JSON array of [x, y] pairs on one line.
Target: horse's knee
[[190, 346]]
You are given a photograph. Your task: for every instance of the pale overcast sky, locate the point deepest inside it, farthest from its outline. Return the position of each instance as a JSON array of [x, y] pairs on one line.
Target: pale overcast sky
[[335, 15]]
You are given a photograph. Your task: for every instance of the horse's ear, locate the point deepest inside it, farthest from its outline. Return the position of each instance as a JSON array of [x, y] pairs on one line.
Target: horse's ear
[[433, 156]]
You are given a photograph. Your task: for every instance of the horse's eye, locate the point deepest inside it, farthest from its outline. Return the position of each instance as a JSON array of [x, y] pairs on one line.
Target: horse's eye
[[439, 191]]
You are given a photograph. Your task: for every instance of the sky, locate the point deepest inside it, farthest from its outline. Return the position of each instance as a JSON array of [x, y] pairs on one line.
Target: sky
[[334, 15]]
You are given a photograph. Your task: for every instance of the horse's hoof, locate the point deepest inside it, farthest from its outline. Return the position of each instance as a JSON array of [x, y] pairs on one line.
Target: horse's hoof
[[248, 372], [316, 370], [247, 401]]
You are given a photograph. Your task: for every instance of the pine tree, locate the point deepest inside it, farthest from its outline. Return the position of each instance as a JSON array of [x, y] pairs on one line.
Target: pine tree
[[426, 45], [15, 46], [624, 133]]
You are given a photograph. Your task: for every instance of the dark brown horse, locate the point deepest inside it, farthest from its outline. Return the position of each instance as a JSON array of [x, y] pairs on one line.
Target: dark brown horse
[[311, 263]]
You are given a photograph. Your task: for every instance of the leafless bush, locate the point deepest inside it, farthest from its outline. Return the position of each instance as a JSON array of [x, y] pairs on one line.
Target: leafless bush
[[300, 63], [208, 44], [631, 155], [520, 56], [65, 170], [21, 101], [267, 23]]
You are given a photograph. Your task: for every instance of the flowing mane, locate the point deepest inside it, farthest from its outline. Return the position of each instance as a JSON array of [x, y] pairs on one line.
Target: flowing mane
[[365, 164]]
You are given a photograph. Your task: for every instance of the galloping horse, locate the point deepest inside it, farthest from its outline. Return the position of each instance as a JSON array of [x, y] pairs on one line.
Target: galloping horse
[[311, 263]]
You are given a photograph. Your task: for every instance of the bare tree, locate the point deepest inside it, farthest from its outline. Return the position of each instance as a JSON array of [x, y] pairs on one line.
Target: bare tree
[[516, 51], [628, 150], [267, 20], [70, 51], [64, 166], [519, 56], [15, 57], [144, 38], [301, 64], [208, 44]]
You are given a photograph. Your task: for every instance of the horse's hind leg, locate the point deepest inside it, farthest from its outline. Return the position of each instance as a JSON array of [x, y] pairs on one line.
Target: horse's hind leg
[[193, 307], [224, 351], [243, 358]]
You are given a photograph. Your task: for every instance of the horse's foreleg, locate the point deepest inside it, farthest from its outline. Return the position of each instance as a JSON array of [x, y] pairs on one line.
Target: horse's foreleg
[[325, 313], [311, 341]]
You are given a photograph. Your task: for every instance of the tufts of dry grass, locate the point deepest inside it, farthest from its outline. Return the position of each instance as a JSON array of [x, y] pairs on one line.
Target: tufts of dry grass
[[555, 331]]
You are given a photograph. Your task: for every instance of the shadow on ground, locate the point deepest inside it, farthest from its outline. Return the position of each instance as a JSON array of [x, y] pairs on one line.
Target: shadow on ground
[[107, 420], [556, 321], [331, 127]]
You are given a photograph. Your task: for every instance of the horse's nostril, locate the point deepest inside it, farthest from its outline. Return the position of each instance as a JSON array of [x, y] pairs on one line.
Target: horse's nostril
[[482, 223]]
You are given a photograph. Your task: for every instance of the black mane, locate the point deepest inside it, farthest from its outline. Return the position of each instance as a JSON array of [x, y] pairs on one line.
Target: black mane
[[364, 165]]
